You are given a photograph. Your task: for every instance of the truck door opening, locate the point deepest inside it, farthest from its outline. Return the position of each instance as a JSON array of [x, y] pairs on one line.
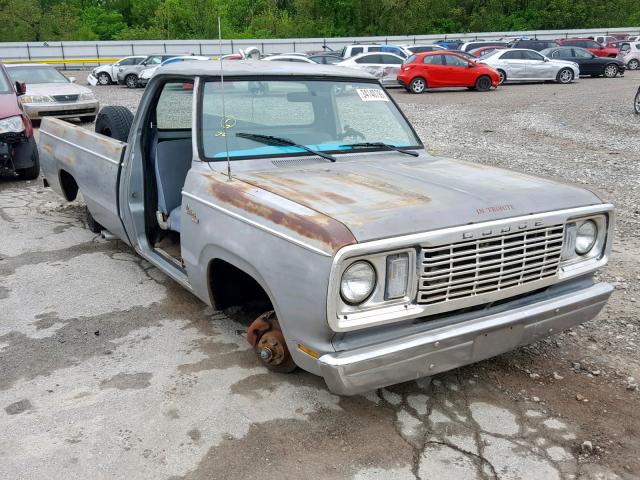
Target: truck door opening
[[168, 160]]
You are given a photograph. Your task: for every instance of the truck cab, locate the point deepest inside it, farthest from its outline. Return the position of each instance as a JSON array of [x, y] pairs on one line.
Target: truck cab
[[306, 189]]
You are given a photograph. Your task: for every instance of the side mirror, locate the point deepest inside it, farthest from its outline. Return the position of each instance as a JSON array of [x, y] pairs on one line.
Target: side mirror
[[471, 65], [72, 79], [546, 59], [21, 88]]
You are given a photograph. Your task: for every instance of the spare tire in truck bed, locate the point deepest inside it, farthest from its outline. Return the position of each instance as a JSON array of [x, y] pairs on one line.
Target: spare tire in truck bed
[[114, 122]]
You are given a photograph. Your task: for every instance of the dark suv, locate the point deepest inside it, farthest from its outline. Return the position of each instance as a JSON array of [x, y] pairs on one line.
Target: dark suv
[[18, 152], [535, 44]]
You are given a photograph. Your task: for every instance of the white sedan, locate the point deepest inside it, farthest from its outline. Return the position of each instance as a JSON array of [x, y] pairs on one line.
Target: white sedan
[[147, 73], [384, 66], [524, 65]]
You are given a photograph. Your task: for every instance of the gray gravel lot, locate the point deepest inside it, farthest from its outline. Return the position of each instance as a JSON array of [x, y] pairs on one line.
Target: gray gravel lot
[[108, 369]]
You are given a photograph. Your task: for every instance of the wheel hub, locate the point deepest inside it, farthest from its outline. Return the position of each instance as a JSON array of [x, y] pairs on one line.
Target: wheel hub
[[266, 337]]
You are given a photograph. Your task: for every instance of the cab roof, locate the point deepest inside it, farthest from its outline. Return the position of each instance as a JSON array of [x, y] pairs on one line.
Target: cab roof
[[241, 68]]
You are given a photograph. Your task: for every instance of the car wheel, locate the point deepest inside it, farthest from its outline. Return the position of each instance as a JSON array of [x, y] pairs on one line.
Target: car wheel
[[503, 76], [131, 81], [92, 225], [418, 85], [483, 84], [565, 75], [104, 78], [633, 64], [114, 122], [33, 171], [611, 70], [636, 103]]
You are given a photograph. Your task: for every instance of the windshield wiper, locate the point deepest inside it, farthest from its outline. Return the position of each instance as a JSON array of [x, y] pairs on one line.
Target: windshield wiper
[[385, 146], [279, 141]]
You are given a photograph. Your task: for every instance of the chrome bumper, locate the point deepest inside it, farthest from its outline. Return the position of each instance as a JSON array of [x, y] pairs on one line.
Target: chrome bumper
[[452, 346], [86, 108]]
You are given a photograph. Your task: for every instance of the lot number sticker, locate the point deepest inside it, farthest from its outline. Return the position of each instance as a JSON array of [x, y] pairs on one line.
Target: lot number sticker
[[372, 95]]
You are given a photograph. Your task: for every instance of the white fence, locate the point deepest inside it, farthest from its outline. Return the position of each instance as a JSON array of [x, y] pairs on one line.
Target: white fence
[[90, 53]]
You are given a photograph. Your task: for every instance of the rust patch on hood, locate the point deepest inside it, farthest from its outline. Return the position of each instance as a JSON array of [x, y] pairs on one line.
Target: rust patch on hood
[[315, 226], [317, 188]]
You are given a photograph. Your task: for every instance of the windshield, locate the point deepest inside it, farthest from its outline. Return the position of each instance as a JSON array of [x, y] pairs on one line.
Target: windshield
[[4, 83], [322, 115], [34, 75]]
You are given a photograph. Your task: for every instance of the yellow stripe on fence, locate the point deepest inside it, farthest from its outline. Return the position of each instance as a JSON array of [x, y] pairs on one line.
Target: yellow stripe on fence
[[62, 61]]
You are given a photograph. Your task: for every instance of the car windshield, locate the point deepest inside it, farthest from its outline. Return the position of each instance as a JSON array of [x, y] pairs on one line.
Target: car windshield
[[323, 115], [4, 83], [34, 75]]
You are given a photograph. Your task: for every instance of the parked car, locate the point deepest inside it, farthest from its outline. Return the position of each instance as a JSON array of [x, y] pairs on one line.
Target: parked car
[[128, 74], [384, 66], [450, 44], [533, 44], [588, 63], [522, 65], [107, 74], [479, 52], [636, 102], [147, 73], [630, 55], [325, 58], [288, 58], [374, 262], [468, 46], [411, 49], [605, 39], [359, 48], [444, 70], [18, 151], [51, 94], [591, 45]]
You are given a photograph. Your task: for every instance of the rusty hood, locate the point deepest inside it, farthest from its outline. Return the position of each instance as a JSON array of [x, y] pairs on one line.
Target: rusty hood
[[384, 198]]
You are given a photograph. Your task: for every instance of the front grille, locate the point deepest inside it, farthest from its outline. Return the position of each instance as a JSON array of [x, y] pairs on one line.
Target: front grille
[[53, 113], [65, 98], [475, 267]]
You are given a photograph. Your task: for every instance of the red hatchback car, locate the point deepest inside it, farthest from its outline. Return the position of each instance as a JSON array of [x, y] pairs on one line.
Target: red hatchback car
[[591, 45], [445, 69]]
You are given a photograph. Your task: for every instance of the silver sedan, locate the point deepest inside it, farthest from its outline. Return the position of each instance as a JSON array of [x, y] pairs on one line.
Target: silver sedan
[[524, 65], [51, 94]]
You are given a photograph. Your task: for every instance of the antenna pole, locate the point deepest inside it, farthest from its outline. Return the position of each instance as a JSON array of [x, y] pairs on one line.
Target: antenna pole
[[224, 113]]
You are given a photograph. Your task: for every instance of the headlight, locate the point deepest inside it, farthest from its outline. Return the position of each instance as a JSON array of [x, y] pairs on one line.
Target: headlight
[[12, 125], [35, 99], [586, 237], [358, 282], [87, 96]]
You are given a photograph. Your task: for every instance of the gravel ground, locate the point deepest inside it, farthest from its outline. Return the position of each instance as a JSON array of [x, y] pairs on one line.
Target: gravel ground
[[108, 369]]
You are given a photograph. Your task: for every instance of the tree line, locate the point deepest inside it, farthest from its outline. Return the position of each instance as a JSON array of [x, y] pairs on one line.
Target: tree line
[[40, 20]]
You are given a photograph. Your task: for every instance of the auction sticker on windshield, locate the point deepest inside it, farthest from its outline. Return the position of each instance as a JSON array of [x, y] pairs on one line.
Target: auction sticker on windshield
[[372, 95]]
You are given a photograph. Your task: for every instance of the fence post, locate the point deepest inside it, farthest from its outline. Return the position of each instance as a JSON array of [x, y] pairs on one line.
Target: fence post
[[98, 53], [132, 49], [28, 52], [200, 45], [164, 45], [232, 49], [64, 65], [294, 46]]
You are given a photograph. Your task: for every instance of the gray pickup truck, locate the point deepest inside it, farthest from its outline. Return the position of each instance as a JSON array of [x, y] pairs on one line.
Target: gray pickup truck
[[304, 187]]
